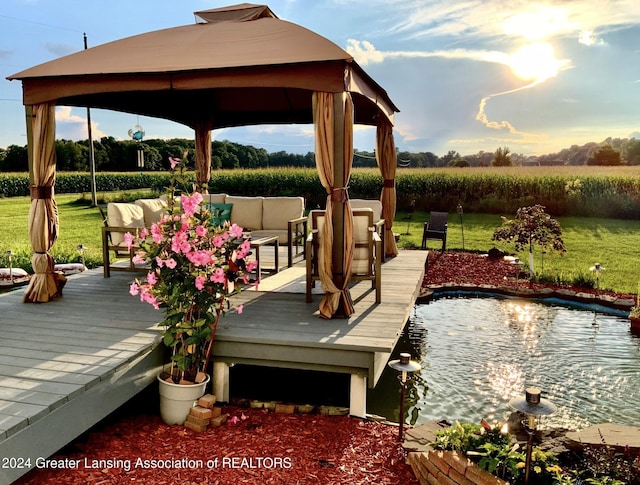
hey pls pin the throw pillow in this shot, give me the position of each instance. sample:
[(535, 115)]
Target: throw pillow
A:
[(221, 213)]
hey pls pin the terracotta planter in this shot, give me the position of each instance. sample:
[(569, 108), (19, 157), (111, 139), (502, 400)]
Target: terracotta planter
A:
[(635, 325), (177, 399)]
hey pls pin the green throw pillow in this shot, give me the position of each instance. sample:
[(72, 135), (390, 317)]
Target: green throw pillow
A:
[(221, 213)]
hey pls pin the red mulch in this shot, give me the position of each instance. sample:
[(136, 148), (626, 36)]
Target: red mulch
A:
[(276, 448), (471, 268), (261, 448)]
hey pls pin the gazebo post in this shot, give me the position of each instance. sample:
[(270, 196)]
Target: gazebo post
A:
[(203, 155)]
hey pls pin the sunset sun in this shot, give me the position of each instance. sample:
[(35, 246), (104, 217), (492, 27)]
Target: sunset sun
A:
[(536, 62)]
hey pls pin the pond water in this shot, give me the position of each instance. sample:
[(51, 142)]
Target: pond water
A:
[(478, 353)]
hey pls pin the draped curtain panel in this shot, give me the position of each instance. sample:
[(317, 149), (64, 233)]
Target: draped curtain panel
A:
[(43, 213), (386, 158), (324, 117)]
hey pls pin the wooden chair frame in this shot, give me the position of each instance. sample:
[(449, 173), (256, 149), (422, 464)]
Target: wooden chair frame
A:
[(373, 245)]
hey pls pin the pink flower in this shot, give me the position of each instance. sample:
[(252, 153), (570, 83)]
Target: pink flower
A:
[(235, 230), (199, 258), (151, 278), (139, 258), (201, 231), (171, 263), (159, 262), (156, 233), (234, 420), (190, 203), (251, 265), (174, 162), (200, 281), (144, 233), (239, 309), (218, 241), (244, 249), (218, 276), (134, 289), (128, 239)]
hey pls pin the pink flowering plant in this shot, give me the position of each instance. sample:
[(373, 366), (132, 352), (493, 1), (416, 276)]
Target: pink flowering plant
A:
[(195, 266)]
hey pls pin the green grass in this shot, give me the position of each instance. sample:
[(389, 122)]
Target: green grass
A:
[(613, 243)]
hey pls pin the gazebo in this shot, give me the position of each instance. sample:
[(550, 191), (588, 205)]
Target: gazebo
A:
[(237, 65)]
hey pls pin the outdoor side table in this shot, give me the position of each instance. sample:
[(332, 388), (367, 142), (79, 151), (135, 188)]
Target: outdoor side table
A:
[(257, 243)]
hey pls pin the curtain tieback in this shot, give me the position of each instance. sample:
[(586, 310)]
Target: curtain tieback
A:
[(340, 194), (41, 192), (389, 183)]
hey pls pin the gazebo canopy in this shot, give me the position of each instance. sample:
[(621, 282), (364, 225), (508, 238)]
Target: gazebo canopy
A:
[(238, 65)]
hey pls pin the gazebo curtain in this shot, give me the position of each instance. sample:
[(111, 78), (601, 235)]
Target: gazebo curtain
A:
[(387, 160), (325, 118), (43, 213)]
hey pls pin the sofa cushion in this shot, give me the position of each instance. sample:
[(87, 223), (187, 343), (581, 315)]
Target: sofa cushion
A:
[(153, 210), (123, 214), (214, 198), (278, 211), (373, 204), (220, 213), (246, 212)]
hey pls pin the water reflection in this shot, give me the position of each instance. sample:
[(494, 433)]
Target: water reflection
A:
[(477, 354)]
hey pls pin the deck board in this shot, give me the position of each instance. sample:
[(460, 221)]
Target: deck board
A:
[(66, 364)]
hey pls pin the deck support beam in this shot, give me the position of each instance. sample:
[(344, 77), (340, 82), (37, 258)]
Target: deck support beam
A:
[(358, 395), (221, 381)]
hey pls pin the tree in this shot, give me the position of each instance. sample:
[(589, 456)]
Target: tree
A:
[(605, 155), (502, 158), (531, 226), (16, 159)]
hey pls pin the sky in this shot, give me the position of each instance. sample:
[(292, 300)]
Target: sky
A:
[(467, 75)]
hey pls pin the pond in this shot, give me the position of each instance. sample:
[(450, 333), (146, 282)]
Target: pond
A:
[(478, 353)]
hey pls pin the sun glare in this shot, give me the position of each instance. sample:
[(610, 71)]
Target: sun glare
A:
[(535, 62)]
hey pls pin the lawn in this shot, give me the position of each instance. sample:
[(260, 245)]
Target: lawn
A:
[(611, 242)]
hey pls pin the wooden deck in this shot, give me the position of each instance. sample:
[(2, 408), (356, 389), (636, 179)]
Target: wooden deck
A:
[(67, 364)]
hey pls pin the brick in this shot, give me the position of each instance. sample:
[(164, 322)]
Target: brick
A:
[(219, 421), (424, 459), (199, 421), (207, 401), (458, 462), (437, 458), (432, 480), (482, 477), (456, 476), (285, 408), (445, 480), (215, 412), (194, 427), (200, 412)]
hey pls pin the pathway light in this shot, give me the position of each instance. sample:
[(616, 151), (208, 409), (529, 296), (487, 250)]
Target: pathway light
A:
[(10, 258), (597, 269), (81, 249), (404, 366), (532, 405)]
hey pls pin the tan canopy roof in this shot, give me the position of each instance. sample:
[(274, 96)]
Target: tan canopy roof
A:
[(241, 65)]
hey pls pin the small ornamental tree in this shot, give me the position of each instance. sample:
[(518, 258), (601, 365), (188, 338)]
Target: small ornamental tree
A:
[(531, 227)]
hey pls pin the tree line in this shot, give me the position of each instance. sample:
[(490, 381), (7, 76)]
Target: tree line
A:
[(113, 155)]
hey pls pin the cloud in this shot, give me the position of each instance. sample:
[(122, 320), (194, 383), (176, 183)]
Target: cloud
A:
[(588, 38), (364, 52), (74, 127), (60, 49), (4, 54)]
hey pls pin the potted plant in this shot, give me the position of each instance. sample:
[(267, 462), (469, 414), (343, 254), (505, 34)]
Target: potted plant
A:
[(195, 265)]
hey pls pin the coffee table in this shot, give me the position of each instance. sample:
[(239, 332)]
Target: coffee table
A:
[(257, 243)]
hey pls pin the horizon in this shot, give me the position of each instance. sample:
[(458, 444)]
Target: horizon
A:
[(536, 77)]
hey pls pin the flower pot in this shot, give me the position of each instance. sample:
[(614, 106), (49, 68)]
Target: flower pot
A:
[(635, 325), (177, 399)]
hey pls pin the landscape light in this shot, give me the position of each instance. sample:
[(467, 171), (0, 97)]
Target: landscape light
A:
[(404, 366), (532, 405)]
